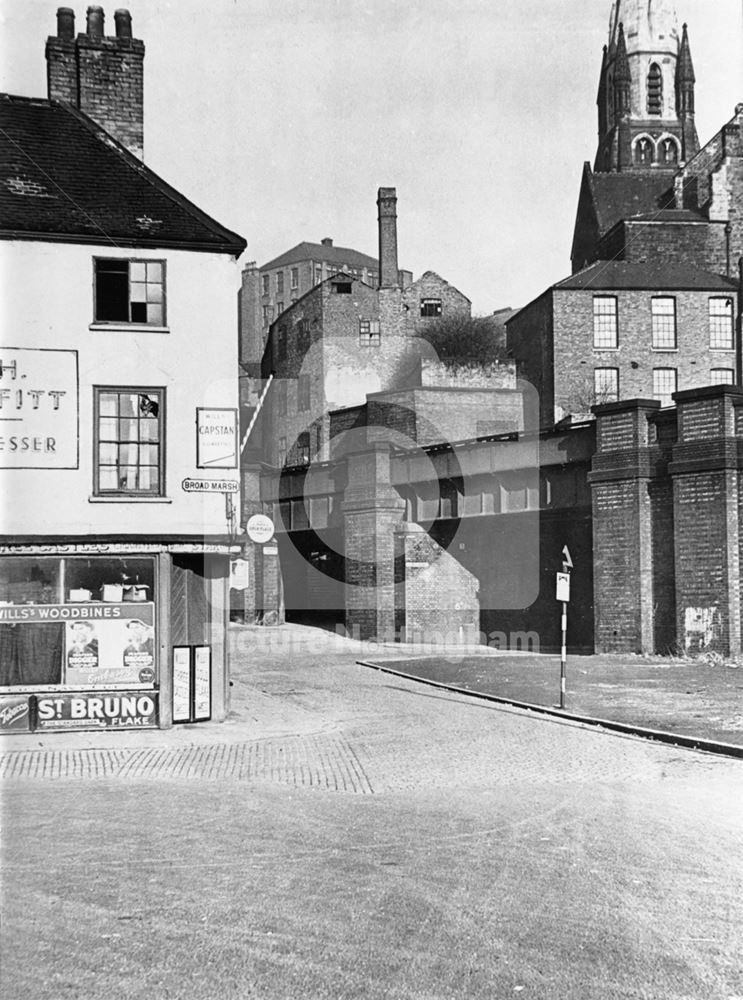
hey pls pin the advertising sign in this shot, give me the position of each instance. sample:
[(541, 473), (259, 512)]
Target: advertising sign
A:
[(114, 710), (216, 438), (202, 684), (113, 648), (181, 684), (15, 714), (260, 528), (38, 409)]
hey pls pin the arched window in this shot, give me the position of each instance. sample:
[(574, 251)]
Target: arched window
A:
[(669, 150), (655, 90), (644, 150)]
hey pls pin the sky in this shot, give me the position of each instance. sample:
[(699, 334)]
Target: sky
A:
[(281, 118)]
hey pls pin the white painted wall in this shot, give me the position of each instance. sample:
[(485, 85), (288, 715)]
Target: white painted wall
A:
[(47, 302)]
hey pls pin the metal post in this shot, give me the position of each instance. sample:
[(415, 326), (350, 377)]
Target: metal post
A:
[(563, 652)]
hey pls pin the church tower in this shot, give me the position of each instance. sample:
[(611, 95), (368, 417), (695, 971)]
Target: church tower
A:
[(646, 91)]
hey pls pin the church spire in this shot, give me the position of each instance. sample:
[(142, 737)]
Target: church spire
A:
[(646, 94), (622, 77), (685, 78)]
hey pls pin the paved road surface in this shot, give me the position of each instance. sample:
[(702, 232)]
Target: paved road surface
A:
[(350, 834)]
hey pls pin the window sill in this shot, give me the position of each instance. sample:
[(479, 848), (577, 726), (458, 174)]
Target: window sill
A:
[(127, 328), (605, 350), (664, 350), (122, 498)]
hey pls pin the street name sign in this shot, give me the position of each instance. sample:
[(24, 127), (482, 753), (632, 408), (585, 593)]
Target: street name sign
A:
[(210, 485)]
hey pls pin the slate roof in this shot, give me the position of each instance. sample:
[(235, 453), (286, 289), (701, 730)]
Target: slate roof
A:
[(318, 251), (64, 179), (614, 275), (623, 195)]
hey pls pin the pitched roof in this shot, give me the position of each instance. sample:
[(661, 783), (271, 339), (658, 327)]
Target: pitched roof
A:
[(610, 275), (326, 252), (622, 195), (63, 178)]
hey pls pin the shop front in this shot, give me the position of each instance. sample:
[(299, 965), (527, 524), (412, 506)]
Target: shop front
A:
[(111, 637)]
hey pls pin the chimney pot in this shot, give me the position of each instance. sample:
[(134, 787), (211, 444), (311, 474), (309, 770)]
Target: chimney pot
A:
[(123, 21), (327, 242), (66, 23), (95, 22)]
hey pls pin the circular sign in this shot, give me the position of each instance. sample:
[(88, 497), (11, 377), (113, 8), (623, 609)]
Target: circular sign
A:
[(260, 528), (146, 675)]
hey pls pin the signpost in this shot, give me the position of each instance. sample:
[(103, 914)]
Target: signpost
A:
[(210, 486), (562, 593)]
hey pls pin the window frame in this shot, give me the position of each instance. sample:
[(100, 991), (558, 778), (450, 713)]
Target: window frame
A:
[(431, 308), (161, 324), (714, 333), (614, 392), (119, 493), (657, 323), (659, 395), (719, 371), (294, 278), (370, 334), (598, 334)]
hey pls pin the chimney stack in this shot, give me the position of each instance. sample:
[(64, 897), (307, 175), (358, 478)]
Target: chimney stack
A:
[(95, 22), (66, 24), (100, 76), (387, 216)]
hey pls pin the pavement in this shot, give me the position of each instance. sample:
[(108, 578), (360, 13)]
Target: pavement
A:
[(305, 711)]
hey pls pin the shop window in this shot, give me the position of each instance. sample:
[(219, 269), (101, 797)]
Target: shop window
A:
[(129, 291), (655, 90), (431, 307), (721, 324), (369, 335), (663, 309), (665, 383), (605, 334), (129, 438), (77, 622)]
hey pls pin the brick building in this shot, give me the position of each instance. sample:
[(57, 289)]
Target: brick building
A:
[(351, 362), (653, 304), (114, 577), (268, 290), (618, 330)]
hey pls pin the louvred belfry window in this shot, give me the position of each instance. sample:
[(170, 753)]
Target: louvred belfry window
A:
[(655, 90)]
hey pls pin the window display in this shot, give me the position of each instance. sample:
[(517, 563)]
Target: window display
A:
[(76, 621)]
